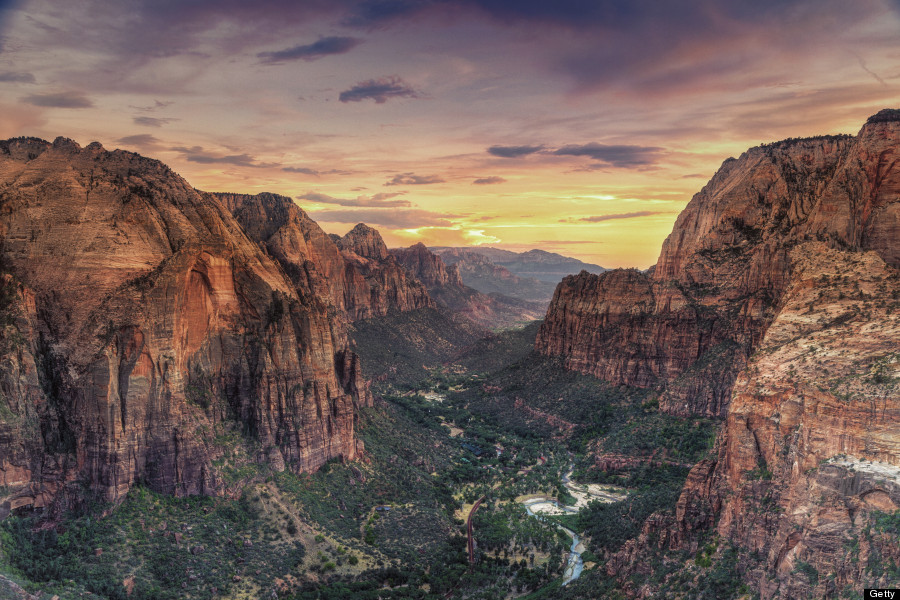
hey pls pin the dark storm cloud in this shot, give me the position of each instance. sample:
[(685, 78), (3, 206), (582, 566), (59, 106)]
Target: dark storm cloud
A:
[(324, 47), (413, 179), (392, 219), (196, 154), (488, 180), (15, 77), (375, 201), (152, 121), (614, 155), (628, 215), (380, 90), (513, 151), (61, 100)]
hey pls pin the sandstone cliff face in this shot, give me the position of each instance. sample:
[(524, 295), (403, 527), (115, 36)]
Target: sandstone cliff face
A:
[(144, 322), (688, 324), (809, 455), (356, 272), (446, 287), (390, 286)]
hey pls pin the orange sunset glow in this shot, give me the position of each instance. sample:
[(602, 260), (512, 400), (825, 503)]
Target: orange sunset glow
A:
[(577, 127)]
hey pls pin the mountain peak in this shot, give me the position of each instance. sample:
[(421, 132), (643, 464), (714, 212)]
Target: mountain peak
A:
[(365, 241)]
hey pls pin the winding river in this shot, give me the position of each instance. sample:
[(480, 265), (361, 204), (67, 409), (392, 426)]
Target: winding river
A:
[(537, 506)]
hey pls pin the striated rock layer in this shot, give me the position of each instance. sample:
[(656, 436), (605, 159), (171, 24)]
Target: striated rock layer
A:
[(140, 322), (688, 324), (807, 465)]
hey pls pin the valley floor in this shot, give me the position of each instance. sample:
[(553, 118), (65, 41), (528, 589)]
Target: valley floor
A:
[(522, 435)]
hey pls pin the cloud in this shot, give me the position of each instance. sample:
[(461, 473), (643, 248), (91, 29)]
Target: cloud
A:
[(16, 77), (566, 242), (374, 13), (392, 219), (152, 121), (60, 100), (413, 179), (141, 140), (152, 107), (324, 47), (628, 215), (488, 180), (383, 200), (315, 172), (196, 154), (615, 155), (513, 151), (380, 90)]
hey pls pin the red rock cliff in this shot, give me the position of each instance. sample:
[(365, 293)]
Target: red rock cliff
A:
[(688, 325), (140, 321), (357, 273)]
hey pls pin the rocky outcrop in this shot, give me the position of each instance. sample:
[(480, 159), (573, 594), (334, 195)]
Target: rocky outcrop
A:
[(688, 325), (445, 286), (356, 272), (140, 323), (807, 467), (428, 267)]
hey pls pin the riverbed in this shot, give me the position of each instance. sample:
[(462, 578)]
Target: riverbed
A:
[(539, 505)]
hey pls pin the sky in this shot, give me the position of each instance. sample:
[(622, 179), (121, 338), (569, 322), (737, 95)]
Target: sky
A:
[(577, 126)]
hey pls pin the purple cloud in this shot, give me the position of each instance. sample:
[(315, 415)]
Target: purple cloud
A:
[(380, 90), (488, 180), (326, 46), (413, 179), (513, 151), (614, 155), (60, 100)]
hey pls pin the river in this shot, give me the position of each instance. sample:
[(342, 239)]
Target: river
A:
[(536, 506)]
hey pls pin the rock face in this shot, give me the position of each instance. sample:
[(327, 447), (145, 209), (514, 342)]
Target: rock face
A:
[(446, 287), (689, 324), (356, 272), (804, 481), (809, 455), (140, 321)]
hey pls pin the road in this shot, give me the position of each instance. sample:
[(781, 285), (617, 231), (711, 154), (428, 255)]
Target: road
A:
[(475, 508)]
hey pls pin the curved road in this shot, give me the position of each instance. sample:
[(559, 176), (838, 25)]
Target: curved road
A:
[(472, 512)]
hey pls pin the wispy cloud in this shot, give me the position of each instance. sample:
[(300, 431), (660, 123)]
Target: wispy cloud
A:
[(513, 151), (615, 216), (392, 219), (488, 180), (413, 179), (326, 46), (613, 155), (141, 140), (197, 154), (315, 172), (383, 200), (380, 90), (152, 121), (60, 100), (16, 77)]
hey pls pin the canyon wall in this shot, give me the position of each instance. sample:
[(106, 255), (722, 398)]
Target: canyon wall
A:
[(687, 325), (141, 324), (355, 272)]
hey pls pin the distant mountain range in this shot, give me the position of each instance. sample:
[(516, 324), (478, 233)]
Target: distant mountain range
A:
[(531, 275)]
